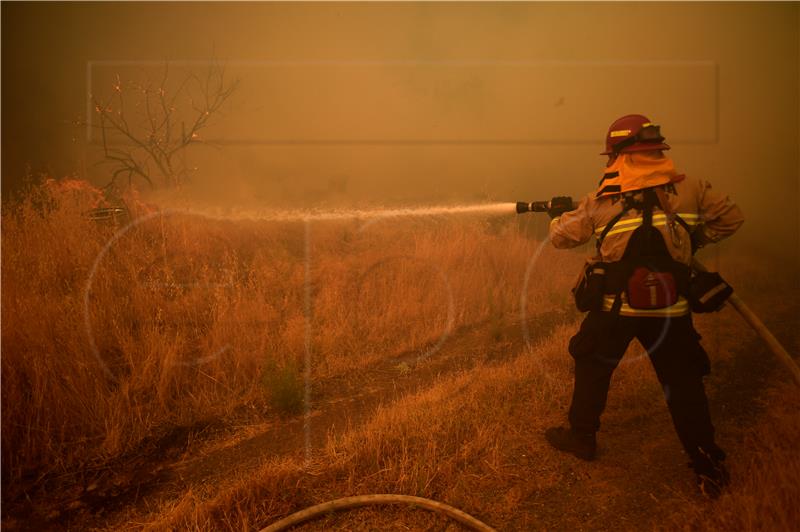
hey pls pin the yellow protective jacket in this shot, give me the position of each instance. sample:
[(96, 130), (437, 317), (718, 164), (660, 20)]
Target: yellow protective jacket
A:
[(710, 215)]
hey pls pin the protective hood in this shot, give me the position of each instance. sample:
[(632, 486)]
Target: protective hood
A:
[(632, 171)]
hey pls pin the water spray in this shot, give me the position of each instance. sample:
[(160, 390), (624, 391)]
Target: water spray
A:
[(298, 215)]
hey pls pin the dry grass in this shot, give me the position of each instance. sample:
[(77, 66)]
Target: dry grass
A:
[(474, 440), (436, 443), (188, 313), (197, 319)]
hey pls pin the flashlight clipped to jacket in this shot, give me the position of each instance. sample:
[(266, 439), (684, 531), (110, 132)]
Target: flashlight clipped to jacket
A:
[(554, 208)]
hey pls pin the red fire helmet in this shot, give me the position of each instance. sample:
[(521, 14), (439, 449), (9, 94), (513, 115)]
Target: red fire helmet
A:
[(633, 133)]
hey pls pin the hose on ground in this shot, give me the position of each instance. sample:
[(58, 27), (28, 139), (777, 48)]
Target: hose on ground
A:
[(347, 503)]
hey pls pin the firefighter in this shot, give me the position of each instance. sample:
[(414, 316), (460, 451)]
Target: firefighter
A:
[(648, 220)]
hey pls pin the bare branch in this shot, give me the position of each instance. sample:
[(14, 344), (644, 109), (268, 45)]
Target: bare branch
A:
[(152, 135)]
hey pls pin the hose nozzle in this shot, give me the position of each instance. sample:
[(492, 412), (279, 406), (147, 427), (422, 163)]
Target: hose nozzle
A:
[(523, 206), (536, 206)]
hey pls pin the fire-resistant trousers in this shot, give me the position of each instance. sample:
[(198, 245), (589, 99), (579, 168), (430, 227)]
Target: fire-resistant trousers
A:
[(680, 363)]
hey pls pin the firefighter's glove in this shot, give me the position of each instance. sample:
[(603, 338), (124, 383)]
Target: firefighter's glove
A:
[(559, 205)]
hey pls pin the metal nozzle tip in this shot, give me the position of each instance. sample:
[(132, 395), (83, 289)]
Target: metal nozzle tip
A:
[(523, 207)]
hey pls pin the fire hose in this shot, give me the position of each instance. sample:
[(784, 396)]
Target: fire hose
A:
[(735, 301), (347, 503)]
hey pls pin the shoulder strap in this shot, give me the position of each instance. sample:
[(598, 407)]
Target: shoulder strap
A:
[(611, 224), (665, 206), (683, 223)]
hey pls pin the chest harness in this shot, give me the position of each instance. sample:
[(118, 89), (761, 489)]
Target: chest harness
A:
[(647, 275)]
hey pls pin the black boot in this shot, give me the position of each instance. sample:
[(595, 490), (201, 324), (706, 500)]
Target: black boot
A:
[(582, 445), (712, 475)]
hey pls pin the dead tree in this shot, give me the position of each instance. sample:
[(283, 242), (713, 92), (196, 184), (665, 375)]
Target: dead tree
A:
[(153, 124)]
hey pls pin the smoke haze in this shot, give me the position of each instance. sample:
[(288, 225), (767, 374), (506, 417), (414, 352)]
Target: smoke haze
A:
[(396, 103)]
